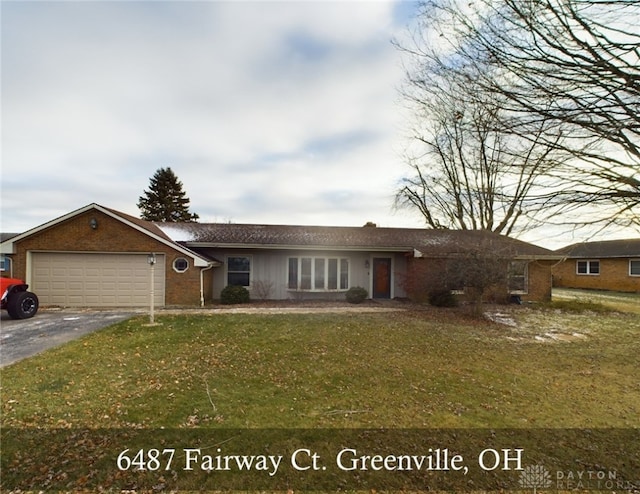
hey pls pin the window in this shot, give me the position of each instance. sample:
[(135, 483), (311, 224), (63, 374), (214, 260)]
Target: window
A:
[(180, 265), (318, 273), (239, 271), (634, 267), (518, 277), (5, 264), (588, 267)]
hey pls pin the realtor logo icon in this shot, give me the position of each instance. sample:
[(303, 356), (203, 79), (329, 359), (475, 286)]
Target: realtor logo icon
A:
[(535, 477)]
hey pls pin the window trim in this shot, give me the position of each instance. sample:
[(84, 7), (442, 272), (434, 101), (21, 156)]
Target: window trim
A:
[(226, 268), (630, 262), (525, 276), (175, 268), (342, 278), (589, 271), (5, 264)]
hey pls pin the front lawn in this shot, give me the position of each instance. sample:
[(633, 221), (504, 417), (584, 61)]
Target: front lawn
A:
[(413, 369), (622, 301), (73, 416)]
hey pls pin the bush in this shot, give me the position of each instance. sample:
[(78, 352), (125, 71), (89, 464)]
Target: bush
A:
[(356, 294), (443, 298), (234, 294)]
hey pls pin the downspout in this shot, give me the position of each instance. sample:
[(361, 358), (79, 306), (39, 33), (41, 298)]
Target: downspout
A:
[(211, 265)]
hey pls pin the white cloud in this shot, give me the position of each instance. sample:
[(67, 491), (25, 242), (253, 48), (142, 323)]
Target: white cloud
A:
[(273, 112), (97, 95)]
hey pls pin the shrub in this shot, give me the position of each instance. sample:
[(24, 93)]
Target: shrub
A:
[(356, 294), (234, 294), (443, 298), (262, 289)]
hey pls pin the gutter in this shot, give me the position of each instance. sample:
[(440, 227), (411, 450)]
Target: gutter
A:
[(210, 266), (243, 246)]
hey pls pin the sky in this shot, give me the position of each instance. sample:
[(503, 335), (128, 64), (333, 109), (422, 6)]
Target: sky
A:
[(268, 112)]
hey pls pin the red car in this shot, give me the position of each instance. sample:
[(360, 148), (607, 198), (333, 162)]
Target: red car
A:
[(19, 302)]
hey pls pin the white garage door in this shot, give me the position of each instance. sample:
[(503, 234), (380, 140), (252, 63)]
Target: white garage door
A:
[(96, 280)]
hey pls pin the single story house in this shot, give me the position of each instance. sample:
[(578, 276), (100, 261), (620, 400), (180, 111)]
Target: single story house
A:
[(606, 265), (98, 257)]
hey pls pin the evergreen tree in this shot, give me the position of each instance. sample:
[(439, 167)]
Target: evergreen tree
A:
[(165, 200)]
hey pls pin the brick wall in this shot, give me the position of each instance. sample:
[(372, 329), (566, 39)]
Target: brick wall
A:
[(424, 274), (614, 275), (539, 276), (111, 235)]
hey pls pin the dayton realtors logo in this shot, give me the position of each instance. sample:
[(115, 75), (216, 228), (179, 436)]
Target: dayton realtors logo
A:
[(538, 477), (535, 477)]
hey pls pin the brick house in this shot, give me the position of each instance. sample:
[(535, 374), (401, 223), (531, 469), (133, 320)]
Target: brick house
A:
[(96, 256), (607, 265)]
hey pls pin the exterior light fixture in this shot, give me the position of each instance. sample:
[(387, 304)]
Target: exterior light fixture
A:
[(366, 264), (93, 223), (151, 258)]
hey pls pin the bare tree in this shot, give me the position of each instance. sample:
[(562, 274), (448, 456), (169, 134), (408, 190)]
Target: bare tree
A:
[(475, 167), (485, 269), (564, 77)]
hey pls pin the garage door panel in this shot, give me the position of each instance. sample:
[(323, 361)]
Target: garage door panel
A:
[(96, 280)]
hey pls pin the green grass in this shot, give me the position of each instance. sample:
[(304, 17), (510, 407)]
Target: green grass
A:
[(414, 369), (204, 380), (598, 300)]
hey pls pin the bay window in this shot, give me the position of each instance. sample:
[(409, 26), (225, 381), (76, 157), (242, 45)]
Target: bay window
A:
[(318, 273)]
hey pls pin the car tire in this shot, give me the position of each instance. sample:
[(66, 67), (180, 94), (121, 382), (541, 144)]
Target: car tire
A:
[(22, 305)]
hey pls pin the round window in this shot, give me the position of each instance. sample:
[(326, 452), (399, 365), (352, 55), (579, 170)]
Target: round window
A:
[(180, 264)]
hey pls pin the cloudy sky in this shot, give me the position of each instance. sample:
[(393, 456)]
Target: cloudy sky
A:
[(268, 112)]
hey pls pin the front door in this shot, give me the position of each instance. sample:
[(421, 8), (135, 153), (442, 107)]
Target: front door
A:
[(381, 277)]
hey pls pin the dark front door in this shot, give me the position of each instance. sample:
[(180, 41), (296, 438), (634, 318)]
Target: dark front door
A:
[(381, 277)]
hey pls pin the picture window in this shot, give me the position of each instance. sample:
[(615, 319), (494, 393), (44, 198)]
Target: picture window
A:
[(318, 273)]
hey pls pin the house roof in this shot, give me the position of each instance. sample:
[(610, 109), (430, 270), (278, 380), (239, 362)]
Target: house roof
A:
[(424, 241), (147, 227), (191, 238), (608, 248), (6, 236)]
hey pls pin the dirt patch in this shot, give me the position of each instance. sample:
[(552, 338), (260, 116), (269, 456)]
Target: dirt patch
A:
[(527, 325), (552, 337)]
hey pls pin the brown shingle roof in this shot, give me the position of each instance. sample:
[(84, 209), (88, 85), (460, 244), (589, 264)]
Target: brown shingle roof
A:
[(430, 242), (150, 226), (608, 248)]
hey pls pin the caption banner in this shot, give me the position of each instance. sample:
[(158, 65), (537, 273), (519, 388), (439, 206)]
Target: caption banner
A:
[(320, 459)]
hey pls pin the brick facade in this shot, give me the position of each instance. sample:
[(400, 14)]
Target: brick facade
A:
[(424, 274), (614, 275), (111, 235), (115, 232), (539, 278)]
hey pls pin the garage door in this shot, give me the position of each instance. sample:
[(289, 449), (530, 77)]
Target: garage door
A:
[(96, 280)]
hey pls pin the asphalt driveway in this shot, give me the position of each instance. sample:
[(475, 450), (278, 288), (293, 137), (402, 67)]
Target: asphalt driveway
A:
[(20, 339)]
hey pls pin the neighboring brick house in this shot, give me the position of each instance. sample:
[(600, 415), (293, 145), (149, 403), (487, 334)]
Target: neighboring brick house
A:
[(607, 265), (97, 256)]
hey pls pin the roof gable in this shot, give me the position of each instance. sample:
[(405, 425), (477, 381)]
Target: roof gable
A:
[(146, 227)]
